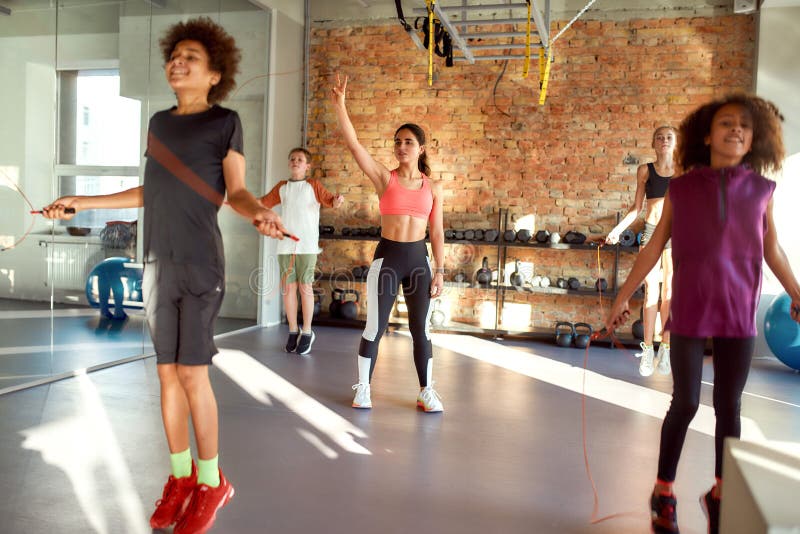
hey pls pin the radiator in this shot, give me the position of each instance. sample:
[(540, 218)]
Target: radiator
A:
[(69, 263)]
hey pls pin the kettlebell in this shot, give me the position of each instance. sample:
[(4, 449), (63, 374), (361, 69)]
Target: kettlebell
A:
[(484, 275), (601, 284), (637, 329), (564, 334), (437, 315), (524, 235), (583, 337), (336, 301), (516, 277), (348, 309), (318, 296)]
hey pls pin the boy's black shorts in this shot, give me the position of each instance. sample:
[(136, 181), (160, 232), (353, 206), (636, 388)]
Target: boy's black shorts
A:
[(182, 301)]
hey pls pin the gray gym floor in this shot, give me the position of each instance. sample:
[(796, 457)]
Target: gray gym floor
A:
[(88, 454)]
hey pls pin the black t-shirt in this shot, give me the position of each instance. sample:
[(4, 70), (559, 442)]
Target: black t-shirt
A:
[(184, 186)]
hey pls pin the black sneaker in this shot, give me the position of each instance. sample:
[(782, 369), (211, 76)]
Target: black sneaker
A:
[(663, 514), (291, 343), (710, 507), (304, 343)]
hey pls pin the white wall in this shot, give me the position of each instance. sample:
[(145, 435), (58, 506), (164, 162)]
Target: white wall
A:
[(778, 80)]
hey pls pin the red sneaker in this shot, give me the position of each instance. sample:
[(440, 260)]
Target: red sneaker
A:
[(202, 510), (174, 500)]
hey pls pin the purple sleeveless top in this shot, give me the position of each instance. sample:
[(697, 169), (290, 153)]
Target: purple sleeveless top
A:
[(718, 226)]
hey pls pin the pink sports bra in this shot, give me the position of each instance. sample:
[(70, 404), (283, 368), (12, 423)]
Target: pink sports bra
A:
[(397, 200)]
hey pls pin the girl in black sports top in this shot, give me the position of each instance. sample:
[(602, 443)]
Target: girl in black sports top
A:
[(652, 180)]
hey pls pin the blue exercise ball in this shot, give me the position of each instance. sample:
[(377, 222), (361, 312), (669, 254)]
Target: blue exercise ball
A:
[(782, 332)]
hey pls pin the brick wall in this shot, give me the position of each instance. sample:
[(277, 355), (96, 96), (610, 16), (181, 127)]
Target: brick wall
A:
[(565, 165)]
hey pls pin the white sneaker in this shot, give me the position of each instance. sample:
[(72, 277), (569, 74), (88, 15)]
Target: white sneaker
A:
[(362, 400), (647, 355), (429, 400), (664, 367)]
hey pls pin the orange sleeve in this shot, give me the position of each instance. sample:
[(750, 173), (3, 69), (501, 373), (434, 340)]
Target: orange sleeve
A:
[(273, 198), (324, 197)]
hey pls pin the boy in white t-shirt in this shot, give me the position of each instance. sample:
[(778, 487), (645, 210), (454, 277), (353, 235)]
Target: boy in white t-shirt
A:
[(301, 200)]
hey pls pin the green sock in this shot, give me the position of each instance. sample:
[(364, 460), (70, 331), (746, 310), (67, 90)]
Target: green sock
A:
[(208, 472), (181, 463)]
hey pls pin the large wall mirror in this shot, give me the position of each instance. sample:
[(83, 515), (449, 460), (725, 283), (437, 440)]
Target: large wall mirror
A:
[(81, 80)]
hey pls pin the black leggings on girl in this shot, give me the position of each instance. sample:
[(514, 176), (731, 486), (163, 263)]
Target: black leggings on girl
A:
[(731, 358), (398, 263)]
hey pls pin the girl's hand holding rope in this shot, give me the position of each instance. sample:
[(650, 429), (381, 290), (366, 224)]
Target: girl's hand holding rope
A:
[(618, 315)]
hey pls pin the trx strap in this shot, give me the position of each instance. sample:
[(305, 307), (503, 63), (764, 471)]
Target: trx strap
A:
[(430, 38), (545, 77), (400, 16), (527, 62)]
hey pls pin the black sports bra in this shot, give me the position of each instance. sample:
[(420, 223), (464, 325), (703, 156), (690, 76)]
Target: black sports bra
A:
[(656, 185)]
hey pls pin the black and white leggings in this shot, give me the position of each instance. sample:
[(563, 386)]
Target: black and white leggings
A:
[(731, 359), (397, 263)]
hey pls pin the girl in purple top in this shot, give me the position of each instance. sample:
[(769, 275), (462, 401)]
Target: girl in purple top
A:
[(719, 216)]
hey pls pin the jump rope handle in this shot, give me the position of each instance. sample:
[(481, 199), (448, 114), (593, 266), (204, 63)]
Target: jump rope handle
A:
[(66, 210), (290, 236)]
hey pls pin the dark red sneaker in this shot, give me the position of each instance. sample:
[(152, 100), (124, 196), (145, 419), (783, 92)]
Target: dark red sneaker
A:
[(663, 514), (202, 510), (174, 500), (710, 507)]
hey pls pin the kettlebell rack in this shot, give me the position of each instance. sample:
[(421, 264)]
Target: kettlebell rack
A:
[(499, 248)]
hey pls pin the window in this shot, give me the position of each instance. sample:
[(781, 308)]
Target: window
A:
[(99, 142)]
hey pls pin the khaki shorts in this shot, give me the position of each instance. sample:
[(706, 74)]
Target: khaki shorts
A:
[(297, 268)]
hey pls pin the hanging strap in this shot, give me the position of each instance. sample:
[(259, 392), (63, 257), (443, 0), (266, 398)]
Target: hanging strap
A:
[(431, 39), (527, 62), (399, 5)]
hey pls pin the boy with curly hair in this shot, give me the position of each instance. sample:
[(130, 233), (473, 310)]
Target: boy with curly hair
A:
[(195, 158)]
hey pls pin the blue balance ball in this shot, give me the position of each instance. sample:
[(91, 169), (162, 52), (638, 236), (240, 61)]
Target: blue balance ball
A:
[(782, 332)]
